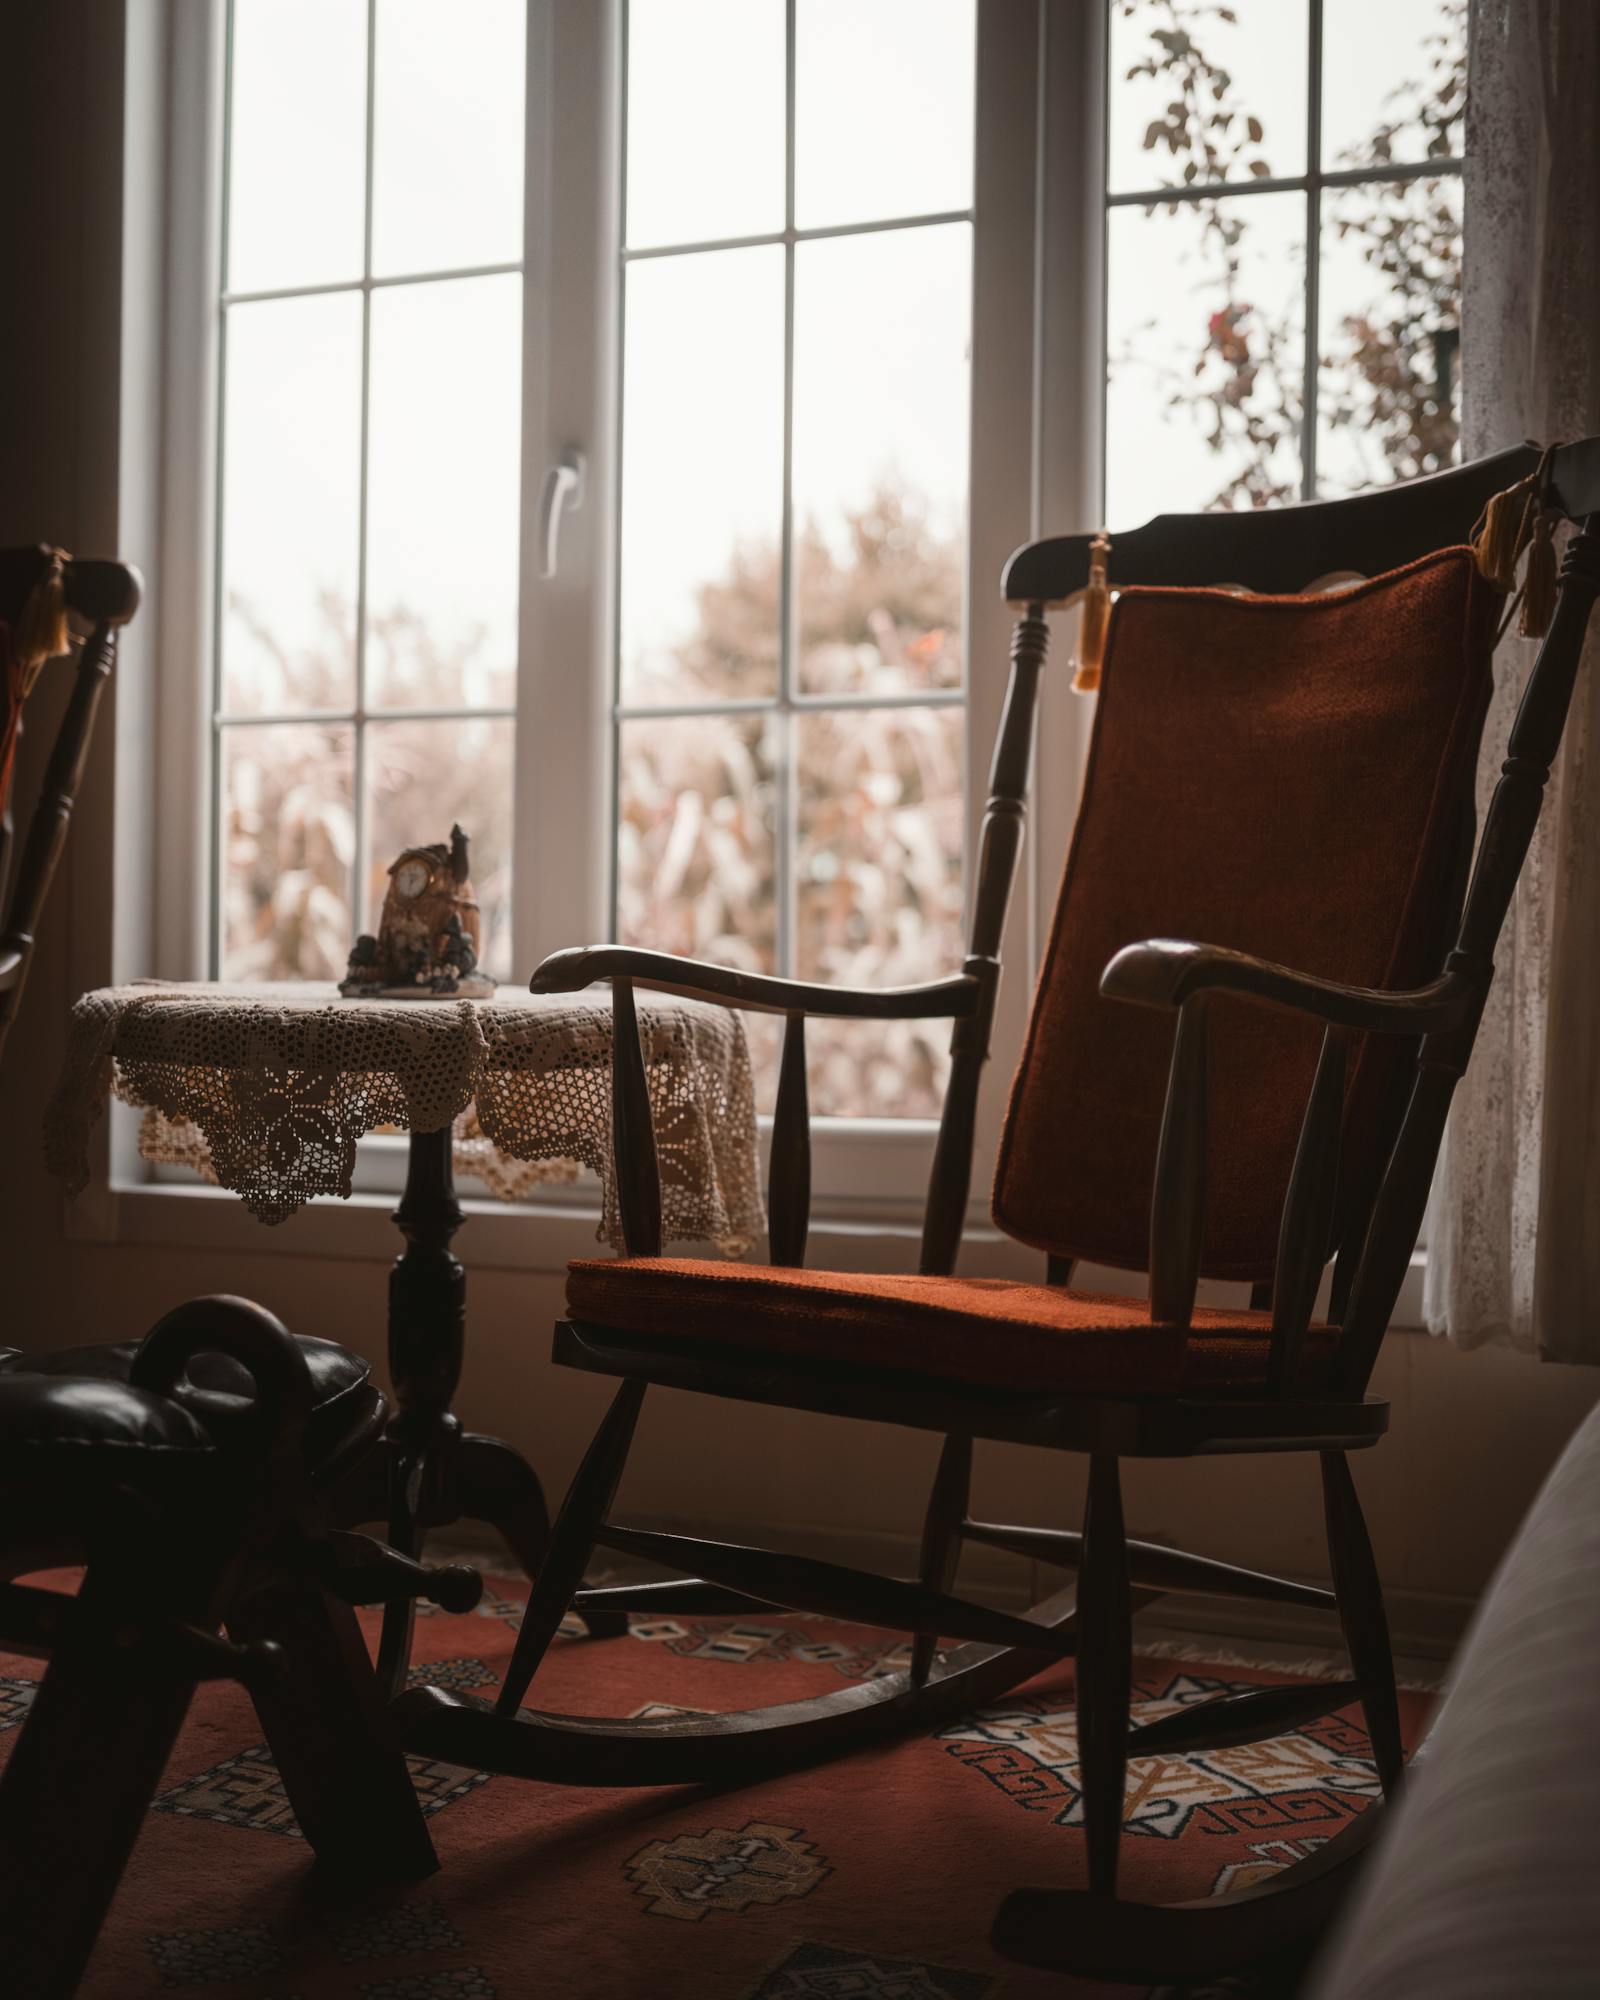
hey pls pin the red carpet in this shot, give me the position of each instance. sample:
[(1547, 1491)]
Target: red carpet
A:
[(875, 1878)]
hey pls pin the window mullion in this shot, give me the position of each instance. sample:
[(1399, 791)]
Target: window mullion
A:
[(213, 927), (786, 828), (1313, 286), (359, 747)]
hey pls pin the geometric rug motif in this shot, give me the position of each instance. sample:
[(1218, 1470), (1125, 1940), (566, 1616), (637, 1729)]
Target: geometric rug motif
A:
[(508, 1610), (466, 1982), (203, 1958), (16, 1698), (833, 1972), (1028, 1749), (234, 1956), (245, 1789), (403, 1928), (743, 1642), (725, 1870), (1267, 1858)]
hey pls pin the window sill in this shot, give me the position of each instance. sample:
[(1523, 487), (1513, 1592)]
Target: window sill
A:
[(544, 1236)]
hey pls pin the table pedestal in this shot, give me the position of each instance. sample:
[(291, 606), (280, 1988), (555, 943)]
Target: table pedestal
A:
[(430, 1473)]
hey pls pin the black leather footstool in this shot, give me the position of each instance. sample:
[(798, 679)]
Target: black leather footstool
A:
[(184, 1473)]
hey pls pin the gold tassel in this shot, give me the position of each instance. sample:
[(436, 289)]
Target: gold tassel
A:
[(1095, 621), (1539, 579), (1503, 531), (42, 631)]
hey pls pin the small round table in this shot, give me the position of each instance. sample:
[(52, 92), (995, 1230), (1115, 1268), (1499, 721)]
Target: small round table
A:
[(267, 1090)]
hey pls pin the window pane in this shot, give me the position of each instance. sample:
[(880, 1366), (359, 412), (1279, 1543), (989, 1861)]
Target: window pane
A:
[(696, 866), (706, 88), (1410, 103), (1205, 355), (423, 777), (878, 892), (291, 503), (1388, 401), (288, 847), (297, 143), (447, 135), (1206, 93), (702, 476), (883, 109), (443, 484), (881, 388)]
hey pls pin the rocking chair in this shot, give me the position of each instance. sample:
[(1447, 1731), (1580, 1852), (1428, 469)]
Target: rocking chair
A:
[(103, 596), (1290, 776)]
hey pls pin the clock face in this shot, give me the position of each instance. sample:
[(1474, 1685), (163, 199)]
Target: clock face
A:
[(411, 879)]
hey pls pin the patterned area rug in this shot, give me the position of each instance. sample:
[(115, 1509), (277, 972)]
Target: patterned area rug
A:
[(875, 1878)]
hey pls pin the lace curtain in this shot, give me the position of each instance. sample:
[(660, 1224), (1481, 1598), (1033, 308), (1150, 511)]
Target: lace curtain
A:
[(1514, 1232)]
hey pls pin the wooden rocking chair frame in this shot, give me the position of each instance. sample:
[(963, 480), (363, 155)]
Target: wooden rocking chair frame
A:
[(1091, 1931), (104, 596)]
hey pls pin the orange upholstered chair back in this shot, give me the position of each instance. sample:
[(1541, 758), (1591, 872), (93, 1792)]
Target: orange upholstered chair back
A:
[(1289, 776)]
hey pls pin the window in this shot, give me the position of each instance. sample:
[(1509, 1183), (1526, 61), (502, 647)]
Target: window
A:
[(818, 292), (789, 718), (1240, 371), (370, 459), (790, 485)]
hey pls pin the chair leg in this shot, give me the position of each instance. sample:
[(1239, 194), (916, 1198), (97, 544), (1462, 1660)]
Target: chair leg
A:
[(572, 1542), (323, 1718), (79, 1782), (941, 1537), (1104, 1672), (1362, 1616)]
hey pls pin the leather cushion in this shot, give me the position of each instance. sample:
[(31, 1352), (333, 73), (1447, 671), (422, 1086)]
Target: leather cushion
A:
[(1287, 776), (996, 1332), (46, 1411), (340, 1381)]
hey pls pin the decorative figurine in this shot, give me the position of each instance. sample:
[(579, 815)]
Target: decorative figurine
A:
[(428, 934)]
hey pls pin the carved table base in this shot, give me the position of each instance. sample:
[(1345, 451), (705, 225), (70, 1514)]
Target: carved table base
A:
[(430, 1473)]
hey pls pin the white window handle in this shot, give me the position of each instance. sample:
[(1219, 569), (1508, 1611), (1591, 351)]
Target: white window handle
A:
[(563, 488)]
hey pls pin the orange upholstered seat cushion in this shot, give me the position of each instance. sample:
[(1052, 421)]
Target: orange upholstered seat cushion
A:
[(992, 1331), (1288, 776)]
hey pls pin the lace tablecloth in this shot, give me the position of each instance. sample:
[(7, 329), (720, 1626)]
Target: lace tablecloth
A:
[(267, 1089)]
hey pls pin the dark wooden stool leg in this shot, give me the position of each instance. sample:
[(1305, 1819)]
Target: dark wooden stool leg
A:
[(323, 1717), (1362, 1616), (584, 1510), (78, 1784), (1104, 1672), (941, 1537)]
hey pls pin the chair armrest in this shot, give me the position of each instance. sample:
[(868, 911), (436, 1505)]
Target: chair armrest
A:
[(1165, 972), (581, 965)]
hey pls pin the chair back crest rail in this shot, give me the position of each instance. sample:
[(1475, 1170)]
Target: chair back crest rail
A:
[(104, 596), (1381, 1195)]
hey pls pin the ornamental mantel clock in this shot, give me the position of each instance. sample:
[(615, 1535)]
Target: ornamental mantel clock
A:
[(428, 935)]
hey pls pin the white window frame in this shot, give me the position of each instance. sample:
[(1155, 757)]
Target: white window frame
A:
[(1033, 458), (1039, 259)]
